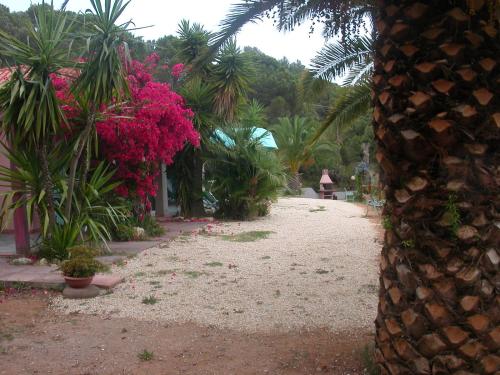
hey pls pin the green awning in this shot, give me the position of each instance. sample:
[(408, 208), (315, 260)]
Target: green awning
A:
[(266, 138)]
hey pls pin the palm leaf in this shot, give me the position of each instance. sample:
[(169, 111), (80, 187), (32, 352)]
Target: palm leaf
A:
[(355, 102)]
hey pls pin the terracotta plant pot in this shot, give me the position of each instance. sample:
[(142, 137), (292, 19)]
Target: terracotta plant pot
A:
[(78, 282)]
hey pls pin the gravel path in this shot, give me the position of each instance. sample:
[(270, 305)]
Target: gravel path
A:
[(317, 268)]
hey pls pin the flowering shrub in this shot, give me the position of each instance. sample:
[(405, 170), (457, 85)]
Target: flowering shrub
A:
[(138, 136)]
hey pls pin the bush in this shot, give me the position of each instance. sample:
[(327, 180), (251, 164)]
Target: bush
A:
[(124, 232), (151, 226), (247, 177)]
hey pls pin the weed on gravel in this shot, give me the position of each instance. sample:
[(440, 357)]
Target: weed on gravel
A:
[(319, 209), (151, 300), (251, 236), (213, 264)]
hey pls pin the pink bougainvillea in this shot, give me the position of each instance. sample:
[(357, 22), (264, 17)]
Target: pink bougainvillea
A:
[(148, 130)]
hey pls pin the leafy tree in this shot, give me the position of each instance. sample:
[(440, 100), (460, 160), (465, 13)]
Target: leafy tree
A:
[(435, 79)]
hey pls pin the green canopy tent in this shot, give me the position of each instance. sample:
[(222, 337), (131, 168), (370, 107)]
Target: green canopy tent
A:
[(265, 136)]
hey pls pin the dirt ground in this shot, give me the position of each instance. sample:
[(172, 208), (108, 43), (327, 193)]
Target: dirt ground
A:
[(36, 340)]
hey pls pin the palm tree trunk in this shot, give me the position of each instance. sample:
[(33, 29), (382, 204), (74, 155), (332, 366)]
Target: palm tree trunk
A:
[(437, 121), (197, 207)]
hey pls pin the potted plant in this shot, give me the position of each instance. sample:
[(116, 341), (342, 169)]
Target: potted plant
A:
[(80, 268)]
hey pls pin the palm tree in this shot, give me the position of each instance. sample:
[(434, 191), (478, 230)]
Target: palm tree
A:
[(214, 89), (293, 138), (436, 122)]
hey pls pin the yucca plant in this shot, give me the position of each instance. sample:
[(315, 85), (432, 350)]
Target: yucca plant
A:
[(25, 186), (97, 209), (246, 175), (31, 112), (230, 77), (102, 78)]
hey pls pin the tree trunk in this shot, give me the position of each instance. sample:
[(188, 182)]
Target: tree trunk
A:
[(197, 207), (294, 183), (48, 186), (437, 121), (75, 161)]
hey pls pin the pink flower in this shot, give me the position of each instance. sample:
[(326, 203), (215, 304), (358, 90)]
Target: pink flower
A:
[(177, 70)]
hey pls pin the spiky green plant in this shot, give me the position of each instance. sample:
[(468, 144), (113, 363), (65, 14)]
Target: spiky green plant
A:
[(102, 78), (31, 111)]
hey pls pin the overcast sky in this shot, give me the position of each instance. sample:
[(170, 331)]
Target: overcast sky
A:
[(164, 15)]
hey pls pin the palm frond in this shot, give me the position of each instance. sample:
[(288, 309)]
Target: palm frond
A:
[(239, 15), (337, 58), (354, 103)]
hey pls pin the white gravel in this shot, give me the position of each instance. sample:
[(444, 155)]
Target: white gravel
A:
[(317, 269)]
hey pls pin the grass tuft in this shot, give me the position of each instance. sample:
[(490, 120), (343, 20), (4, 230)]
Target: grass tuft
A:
[(151, 300), (214, 264), (319, 209), (145, 355), (248, 236)]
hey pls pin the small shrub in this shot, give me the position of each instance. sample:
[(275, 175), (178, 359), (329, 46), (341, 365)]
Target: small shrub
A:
[(81, 262), (80, 267), (150, 226), (145, 355), (124, 232)]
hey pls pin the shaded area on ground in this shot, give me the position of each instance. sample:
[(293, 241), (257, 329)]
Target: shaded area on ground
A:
[(34, 340)]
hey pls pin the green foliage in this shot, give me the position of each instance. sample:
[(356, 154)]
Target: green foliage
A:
[(80, 267), (453, 213), (27, 180), (248, 236), (368, 360), (151, 300), (246, 175), (97, 209), (386, 223), (149, 224), (408, 243), (62, 238), (124, 232), (145, 355), (81, 262), (294, 147), (28, 100)]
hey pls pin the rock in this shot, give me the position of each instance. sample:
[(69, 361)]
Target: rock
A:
[(21, 261), (89, 292), (138, 233), (43, 262)]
